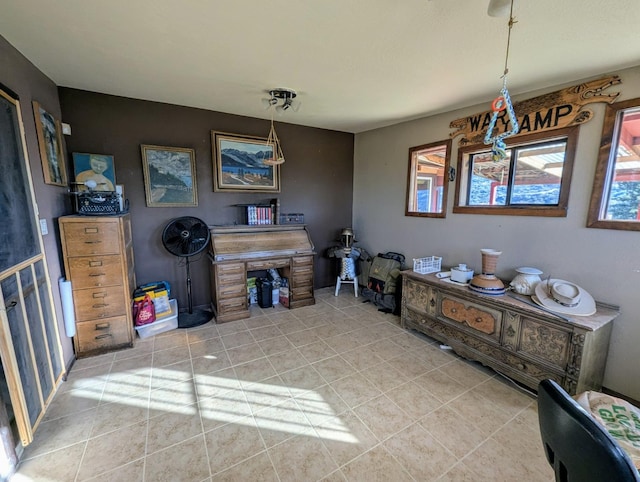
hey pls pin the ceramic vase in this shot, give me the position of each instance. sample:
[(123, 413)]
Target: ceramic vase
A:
[(487, 282)]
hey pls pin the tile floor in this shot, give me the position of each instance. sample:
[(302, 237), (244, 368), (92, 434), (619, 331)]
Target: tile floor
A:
[(336, 391)]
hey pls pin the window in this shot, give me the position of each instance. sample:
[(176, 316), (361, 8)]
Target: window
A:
[(428, 180), (615, 198), (533, 180)]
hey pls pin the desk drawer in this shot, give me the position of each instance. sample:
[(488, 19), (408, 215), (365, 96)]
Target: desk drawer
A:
[(107, 333), (267, 264), (224, 269), (232, 291), (230, 305), (93, 272), (302, 260), (99, 303)]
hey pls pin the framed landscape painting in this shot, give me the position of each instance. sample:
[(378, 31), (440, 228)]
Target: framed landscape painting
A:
[(238, 164), (169, 176), (50, 144)]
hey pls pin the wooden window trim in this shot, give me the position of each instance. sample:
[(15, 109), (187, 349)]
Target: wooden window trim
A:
[(571, 135), (608, 145)]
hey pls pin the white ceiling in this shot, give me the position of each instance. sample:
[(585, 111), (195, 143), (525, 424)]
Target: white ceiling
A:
[(356, 64)]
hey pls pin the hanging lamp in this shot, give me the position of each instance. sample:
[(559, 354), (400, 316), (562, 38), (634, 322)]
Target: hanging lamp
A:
[(274, 143), (500, 104)]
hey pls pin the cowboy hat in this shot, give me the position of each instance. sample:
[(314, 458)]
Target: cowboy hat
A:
[(564, 297)]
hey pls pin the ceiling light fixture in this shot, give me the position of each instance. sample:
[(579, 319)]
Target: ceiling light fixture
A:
[(282, 99), (502, 108)]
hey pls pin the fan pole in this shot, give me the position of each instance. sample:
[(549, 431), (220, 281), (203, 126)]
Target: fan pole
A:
[(189, 287)]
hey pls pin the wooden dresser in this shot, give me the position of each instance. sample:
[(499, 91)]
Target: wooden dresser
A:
[(236, 250), (98, 260), (512, 337)]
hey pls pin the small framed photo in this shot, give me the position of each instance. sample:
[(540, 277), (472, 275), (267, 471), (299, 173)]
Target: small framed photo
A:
[(94, 172), (49, 133), (238, 164), (169, 176)]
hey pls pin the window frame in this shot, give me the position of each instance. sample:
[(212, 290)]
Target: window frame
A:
[(559, 210), (606, 159), (412, 178)]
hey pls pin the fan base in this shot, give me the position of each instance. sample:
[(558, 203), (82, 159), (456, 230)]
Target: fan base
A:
[(197, 318)]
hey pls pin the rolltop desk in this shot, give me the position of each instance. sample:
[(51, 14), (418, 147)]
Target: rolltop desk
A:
[(237, 250)]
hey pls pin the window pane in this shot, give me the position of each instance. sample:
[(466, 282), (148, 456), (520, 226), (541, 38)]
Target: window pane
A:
[(539, 174), (489, 179), (624, 192)]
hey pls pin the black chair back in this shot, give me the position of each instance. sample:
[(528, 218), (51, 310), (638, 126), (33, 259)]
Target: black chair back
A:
[(578, 448)]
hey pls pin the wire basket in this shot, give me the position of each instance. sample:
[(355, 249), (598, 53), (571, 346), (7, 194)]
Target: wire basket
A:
[(430, 264)]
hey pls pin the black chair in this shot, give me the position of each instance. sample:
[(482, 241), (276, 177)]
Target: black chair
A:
[(578, 448)]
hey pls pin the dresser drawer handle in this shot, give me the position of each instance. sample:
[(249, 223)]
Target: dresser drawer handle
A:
[(101, 294), (97, 274), (100, 305), (478, 320), (521, 366), (97, 241), (454, 310), (91, 230), (102, 326), (93, 264), (104, 335)]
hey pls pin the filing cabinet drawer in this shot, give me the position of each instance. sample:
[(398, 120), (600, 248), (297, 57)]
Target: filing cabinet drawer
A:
[(107, 333), (94, 272), (99, 303), (83, 239)]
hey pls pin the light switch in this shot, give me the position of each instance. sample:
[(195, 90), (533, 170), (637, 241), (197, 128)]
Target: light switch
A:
[(66, 129), (43, 227)]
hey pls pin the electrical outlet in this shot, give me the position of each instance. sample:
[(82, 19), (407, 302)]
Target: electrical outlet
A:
[(43, 227)]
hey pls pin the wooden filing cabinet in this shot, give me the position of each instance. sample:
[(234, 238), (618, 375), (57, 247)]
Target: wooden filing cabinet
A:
[(98, 260), (514, 338)]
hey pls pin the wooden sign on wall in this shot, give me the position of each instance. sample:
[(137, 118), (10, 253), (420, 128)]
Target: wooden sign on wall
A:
[(554, 110)]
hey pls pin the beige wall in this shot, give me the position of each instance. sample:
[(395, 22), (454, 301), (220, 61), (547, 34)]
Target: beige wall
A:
[(604, 262)]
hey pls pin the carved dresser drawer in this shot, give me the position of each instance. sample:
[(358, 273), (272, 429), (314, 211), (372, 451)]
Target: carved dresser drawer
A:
[(470, 316), (512, 337)]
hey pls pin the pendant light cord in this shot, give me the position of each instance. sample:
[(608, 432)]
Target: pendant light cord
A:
[(506, 59)]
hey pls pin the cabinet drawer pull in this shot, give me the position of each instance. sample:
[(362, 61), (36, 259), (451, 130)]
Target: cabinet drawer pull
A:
[(91, 230), (93, 264), (102, 326), (97, 241), (100, 305), (104, 335), (97, 274), (101, 294)]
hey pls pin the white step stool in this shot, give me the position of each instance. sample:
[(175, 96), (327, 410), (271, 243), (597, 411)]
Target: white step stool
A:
[(353, 281)]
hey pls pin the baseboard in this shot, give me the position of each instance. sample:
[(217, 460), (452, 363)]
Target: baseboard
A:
[(620, 395)]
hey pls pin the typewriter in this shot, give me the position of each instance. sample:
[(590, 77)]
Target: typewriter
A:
[(99, 203)]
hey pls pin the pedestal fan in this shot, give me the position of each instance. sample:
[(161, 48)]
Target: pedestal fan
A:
[(186, 237)]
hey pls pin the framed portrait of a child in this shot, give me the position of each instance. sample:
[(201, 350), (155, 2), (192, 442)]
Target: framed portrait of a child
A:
[(94, 172)]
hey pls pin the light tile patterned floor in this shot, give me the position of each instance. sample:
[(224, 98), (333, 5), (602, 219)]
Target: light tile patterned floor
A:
[(336, 391)]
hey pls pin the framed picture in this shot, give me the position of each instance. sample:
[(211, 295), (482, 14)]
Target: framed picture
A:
[(50, 143), (238, 164), (169, 176), (94, 172)]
